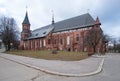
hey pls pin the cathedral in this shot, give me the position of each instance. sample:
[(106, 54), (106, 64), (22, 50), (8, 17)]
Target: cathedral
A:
[(67, 34)]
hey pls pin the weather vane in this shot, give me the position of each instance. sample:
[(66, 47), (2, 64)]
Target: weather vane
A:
[(52, 16), (88, 10), (27, 5), (52, 13)]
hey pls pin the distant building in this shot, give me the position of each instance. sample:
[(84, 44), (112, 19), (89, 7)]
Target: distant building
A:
[(63, 35)]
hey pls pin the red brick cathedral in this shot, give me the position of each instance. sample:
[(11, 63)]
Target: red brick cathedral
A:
[(67, 34)]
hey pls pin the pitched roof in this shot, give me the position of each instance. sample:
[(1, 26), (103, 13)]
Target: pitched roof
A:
[(84, 20), (42, 32), (26, 20), (75, 22)]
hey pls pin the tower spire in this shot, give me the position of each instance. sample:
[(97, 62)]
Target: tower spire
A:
[(26, 20), (52, 17), (26, 7), (88, 10)]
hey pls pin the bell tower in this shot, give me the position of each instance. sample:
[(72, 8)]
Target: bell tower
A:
[(25, 28)]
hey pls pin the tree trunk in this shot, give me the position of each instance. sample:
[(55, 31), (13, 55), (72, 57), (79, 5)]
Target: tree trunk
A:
[(8, 47), (94, 49)]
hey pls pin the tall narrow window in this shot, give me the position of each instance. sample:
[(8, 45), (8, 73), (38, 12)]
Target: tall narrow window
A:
[(55, 41), (44, 43), (68, 40), (61, 41), (24, 45), (77, 37), (35, 44), (48, 41), (40, 43), (31, 44)]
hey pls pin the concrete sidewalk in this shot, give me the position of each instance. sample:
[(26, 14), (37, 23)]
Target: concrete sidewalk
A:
[(89, 66)]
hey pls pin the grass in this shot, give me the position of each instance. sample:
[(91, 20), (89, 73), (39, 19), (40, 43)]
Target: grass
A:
[(45, 54)]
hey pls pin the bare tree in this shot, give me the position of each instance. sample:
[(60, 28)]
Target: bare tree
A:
[(115, 45), (104, 43), (93, 37), (10, 33)]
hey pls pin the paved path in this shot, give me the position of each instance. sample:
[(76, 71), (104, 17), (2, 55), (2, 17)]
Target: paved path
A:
[(111, 72), (11, 71), (64, 67)]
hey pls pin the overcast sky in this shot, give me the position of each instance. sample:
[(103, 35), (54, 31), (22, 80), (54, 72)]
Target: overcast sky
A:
[(39, 12)]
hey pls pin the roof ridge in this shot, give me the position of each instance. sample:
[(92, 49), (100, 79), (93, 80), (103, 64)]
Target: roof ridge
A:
[(72, 17), (42, 27), (87, 20), (62, 21)]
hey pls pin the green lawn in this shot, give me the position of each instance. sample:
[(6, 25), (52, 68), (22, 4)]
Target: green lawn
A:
[(61, 55)]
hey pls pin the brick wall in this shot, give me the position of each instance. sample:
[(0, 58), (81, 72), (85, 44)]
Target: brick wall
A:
[(59, 41)]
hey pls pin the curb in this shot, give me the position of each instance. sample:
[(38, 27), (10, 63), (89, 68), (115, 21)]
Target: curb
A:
[(97, 56), (58, 73)]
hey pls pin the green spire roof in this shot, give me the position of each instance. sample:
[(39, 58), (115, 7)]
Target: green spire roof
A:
[(26, 20)]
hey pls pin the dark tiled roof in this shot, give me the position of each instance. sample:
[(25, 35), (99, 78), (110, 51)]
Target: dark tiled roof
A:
[(84, 20), (41, 32), (26, 20), (75, 22)]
